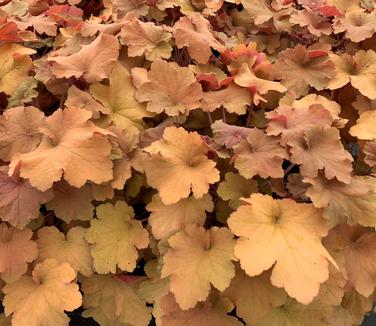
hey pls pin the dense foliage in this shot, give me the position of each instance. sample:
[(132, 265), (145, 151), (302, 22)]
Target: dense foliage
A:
[(199, 162)]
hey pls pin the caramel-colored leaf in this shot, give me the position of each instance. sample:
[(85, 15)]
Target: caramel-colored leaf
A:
[(196, 259), (233, 98), (356, 246), (252, 154), (170, 88), (71, 248), (321, 149), (42, 298), (291, 122), (79, 150), (112, 302), (147, 39), (258, 87), (195, 32), (165, 220), (80, 206), (365, 127), (299, 68), (19, 131), (354, 201), (203, 314), (254, 297), (359, 70), (16, 250), (179, 165), (291, 234), (93, 62)]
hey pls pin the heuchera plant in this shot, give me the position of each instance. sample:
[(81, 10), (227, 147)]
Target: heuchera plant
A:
[(195, 162)]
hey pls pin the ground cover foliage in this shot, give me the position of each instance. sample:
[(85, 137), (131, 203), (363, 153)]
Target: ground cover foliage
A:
[(199, 162)]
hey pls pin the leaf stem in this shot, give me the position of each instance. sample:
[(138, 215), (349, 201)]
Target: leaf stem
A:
[(298, 194), (250, 115), (224, 115), (210, 118), (289, 168)]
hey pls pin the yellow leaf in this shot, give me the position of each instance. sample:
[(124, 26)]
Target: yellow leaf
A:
[(70, 248), (196, 259), (293, 313), (365, 127), (15, 66), (235, 187), (118, 98), (115, 237), (24, 93)]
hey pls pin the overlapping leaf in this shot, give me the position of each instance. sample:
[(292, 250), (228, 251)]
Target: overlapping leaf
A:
[(170, 88), (43, 297), (198, 162), (290, 232), (115, 237), (80, 151), (17, 249), (179, 165), (198, 258), (93, 62)]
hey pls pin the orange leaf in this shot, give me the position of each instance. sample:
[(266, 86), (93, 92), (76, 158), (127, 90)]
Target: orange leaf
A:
[(194, 32), (179, 165), (79, 150), (93, 62), (16, 250), (43, 297), (196, 259), (290, 233)]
